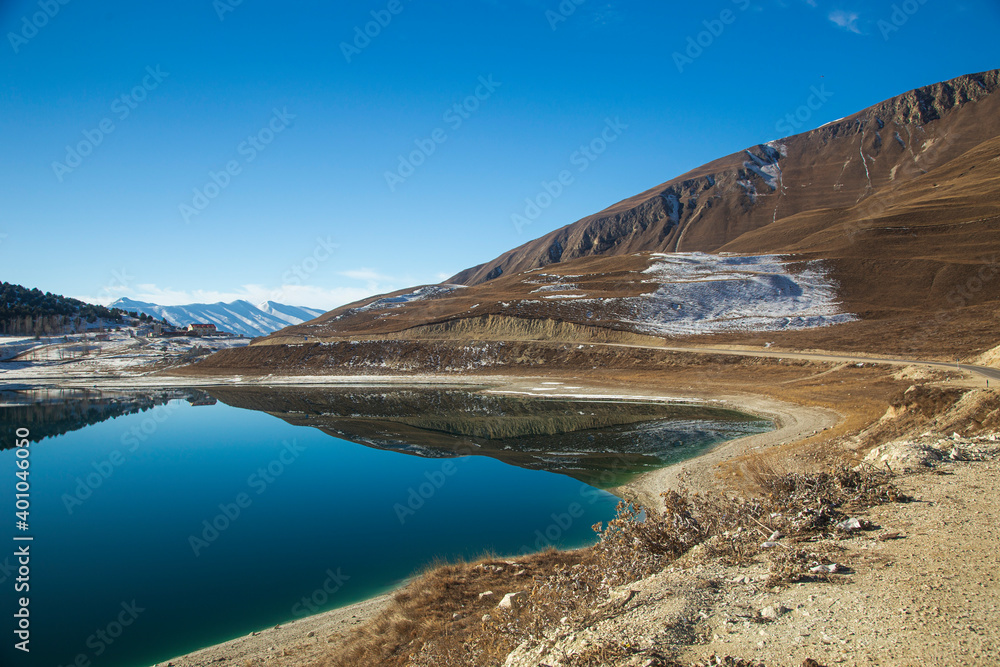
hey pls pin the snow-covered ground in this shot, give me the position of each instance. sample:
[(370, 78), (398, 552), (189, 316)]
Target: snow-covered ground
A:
[(557, 287), (115, 353), (11, 346), (698, 293), (419, 294), (289, 314)]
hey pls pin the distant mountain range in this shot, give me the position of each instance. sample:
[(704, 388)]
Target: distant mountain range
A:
[(239, 317)]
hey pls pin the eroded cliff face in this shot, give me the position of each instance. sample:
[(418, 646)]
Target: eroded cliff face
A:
[(837, 165)]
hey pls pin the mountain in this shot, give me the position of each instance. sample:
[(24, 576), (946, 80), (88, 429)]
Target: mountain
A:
[(239, 317), (289, 314), (837, 165), (878, 233)]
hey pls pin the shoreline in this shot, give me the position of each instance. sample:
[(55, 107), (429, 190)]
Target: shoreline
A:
[(792, 423), (301, 635), (310, 634)]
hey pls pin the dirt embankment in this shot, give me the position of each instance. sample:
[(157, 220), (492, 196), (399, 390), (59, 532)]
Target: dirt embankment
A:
[(506, 357), (491, 328)]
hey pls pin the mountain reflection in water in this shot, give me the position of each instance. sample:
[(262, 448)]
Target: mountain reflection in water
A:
[(600, 442)]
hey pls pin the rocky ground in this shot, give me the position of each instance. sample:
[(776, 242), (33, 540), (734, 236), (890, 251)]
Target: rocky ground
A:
[(917, 586)]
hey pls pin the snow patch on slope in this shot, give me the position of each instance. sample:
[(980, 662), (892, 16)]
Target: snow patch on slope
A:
[(766, 167), (778, 146), (419, 294), (289, 314), (673, 204), (701, 293), (558, 287)]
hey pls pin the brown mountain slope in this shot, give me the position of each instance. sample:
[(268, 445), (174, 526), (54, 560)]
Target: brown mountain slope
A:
[(929, 242), (835, 166), (917, 263), (909, 265)]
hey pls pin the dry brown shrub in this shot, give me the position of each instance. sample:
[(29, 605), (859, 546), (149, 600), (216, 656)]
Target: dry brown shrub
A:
[(762, 473), (440, 620), (637, 543), (733, 529)]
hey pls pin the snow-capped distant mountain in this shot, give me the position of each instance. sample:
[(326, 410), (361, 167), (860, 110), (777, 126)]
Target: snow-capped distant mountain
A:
[(239, 317), (289, 314)]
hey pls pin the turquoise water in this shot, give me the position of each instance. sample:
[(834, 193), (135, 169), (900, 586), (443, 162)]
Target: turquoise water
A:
[(324, 515), (180, 526)]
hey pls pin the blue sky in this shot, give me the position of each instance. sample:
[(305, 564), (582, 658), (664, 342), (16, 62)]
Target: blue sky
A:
[(204, 151)]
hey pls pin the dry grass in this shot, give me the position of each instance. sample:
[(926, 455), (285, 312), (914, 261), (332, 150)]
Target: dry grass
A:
[(761, 472), (438, 619), (441, 619)]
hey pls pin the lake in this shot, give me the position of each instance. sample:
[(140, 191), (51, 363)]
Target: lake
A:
[(164, 521)]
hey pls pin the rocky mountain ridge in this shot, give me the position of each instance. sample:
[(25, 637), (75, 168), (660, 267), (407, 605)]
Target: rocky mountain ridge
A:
[(836, 165)]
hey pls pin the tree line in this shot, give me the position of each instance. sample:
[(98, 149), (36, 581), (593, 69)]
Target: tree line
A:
[(26, 311)]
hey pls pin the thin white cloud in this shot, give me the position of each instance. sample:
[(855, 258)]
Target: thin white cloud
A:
[(367, 282), (366, 274), (846, 20)]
